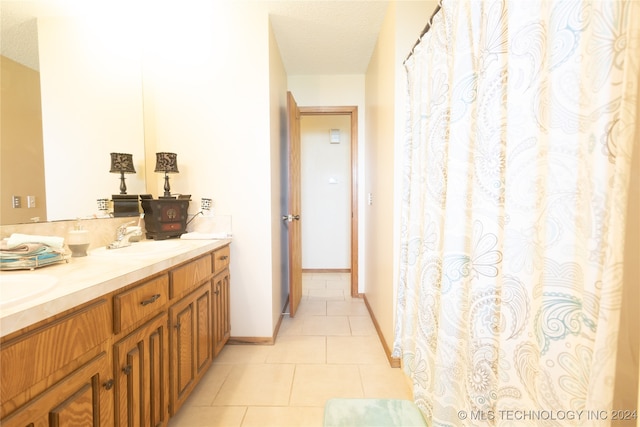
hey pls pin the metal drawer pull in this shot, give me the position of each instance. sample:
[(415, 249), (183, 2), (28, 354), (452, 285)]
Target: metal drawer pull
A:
[(223, 257), (150, 300)]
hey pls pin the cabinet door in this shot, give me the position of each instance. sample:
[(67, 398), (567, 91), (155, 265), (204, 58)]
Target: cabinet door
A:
[(221, 315), (84, 398), (191, 343), (141, 373)]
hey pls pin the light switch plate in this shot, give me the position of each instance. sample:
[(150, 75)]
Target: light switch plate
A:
[(335, 136)]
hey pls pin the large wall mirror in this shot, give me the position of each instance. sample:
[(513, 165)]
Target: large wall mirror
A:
[(71, 95)]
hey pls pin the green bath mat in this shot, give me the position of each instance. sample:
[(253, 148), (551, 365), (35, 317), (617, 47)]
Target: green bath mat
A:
[(372, 413)]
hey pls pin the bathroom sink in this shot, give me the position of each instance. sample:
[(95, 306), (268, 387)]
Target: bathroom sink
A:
[(15, 289), (143, 249)]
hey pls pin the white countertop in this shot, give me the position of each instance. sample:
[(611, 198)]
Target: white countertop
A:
[(86, 278)]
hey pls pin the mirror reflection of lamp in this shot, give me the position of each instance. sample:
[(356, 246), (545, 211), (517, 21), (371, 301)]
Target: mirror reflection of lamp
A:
[(122, 163), (167, 163)]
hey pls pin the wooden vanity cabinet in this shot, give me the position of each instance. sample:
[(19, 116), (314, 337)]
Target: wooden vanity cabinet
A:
[(129, 358)]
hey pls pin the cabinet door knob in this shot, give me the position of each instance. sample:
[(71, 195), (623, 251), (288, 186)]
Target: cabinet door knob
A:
[(108, 385), (177, 325), (151, 300), (223, 257), (127, 370)]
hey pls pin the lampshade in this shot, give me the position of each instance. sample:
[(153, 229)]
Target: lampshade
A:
[(166, 162), (122, 163)]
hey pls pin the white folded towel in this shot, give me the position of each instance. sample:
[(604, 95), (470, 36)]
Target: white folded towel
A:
[(194, 235), (17, 239)]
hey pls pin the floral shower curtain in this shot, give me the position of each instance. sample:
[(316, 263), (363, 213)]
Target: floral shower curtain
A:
[(516, 166)]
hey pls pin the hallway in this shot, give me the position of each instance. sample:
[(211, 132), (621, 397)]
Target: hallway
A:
[(330, 349)]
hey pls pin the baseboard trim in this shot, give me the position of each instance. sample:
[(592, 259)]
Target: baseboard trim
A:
[(394, 362), (261, 340), (251, 341), (326, 270)]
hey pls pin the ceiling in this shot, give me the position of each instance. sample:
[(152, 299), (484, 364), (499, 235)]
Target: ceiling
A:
[(314, 36), (326, 37)]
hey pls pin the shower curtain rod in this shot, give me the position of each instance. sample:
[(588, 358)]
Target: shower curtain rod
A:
[(424, 31)]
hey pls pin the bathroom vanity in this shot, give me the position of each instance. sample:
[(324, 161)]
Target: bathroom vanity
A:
[(120, 338)]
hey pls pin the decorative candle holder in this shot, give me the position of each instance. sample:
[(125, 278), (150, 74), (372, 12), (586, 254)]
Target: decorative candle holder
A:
[(103, 205), (205, 204)]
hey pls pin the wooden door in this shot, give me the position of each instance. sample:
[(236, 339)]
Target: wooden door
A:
[(293, 216)]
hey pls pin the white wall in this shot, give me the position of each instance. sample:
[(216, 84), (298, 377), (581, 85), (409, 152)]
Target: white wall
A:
[(214, 110), (402, 26), (326, 192), (339, 90)]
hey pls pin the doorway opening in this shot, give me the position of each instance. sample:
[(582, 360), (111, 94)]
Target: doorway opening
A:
[(334, 181)]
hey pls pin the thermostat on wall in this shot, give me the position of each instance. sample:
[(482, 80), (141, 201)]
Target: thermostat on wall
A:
[(335, 136)]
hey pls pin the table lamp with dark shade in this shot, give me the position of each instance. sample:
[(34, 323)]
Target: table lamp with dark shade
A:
[(122, 163), (167, 163)]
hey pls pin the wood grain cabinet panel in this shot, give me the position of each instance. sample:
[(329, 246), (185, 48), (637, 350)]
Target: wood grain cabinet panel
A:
[(221, 259), (84, 398), (139, 302), (190, 275), (142, 376), (221, 311), (191, 343), (39, 353)]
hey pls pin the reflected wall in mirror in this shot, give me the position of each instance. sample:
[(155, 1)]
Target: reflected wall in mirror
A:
[(91, 105)]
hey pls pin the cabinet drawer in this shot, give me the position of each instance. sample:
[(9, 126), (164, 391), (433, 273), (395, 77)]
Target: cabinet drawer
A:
[(39, 353), (137, 303), (221, 259), (190, 275)]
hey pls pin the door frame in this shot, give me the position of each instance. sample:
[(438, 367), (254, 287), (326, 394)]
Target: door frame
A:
[(351, 111)]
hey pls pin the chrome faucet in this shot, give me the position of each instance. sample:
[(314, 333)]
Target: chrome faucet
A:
[(123, 235)]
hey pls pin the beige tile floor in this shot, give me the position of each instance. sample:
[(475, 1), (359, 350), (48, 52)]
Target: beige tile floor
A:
[(330, 349)]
